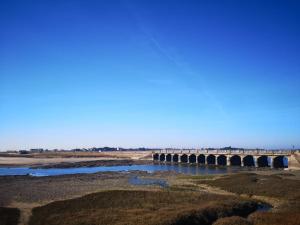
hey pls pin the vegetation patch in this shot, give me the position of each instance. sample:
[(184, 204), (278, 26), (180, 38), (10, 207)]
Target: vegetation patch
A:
[(9, 216), (233, 220), (253, 184), (276, 186), (275, 218), (141, 208), (198, 177)]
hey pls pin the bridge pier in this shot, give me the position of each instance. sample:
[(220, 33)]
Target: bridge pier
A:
[(271, 162), (255, 161), (228, 160)]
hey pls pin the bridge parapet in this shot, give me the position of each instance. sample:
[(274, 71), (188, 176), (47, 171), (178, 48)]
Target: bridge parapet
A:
[(227, 152)]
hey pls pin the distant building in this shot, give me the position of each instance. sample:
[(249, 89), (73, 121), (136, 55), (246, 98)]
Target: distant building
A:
[(77, 150), (12, 151), (22, 152), (36, 150)]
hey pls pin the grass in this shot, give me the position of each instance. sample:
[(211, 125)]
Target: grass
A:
[(180, 204), (182, 187), (141, 208), (253, 184), (9, 216), (276, 186), (233, 220), (278, 218), (262, 218), (197, 177)]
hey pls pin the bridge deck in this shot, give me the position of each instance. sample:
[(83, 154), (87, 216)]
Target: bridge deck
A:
[(228, 152)]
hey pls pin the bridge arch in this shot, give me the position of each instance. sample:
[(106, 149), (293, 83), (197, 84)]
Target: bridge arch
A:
[(175, 158), (155, 156), (280, 162), (211, 159), (222, 160), (248, 160), (263, 161), (162, 157), (235, 160), (201, 159), (169, 158), (192, 158), (184, 158)]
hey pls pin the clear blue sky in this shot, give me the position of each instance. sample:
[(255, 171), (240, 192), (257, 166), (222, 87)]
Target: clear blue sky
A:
[(137, 73)]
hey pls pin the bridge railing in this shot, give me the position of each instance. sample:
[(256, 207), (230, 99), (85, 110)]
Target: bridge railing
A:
[(222, 151)]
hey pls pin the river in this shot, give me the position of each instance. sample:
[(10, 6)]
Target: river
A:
[(179, 168)]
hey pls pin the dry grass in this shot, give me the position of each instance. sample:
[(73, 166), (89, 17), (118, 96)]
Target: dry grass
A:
[(43, 190), (262, 185), (280, 187), (141, 208), (278, 218), (262, 218), (9, 216), (276, 186)]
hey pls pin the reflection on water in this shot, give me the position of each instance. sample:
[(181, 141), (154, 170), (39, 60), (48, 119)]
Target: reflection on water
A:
[(180, 168), (263, 207)]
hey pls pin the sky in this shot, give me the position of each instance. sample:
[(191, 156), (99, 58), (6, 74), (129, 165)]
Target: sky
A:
[(137, 73)]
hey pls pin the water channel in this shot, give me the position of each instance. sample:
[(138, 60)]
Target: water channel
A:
[(150, 168)]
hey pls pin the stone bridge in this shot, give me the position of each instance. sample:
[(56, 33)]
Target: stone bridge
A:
[(250, 158)]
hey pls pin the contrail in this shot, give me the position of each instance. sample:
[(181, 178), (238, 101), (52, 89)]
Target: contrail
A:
[(181, 65)]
